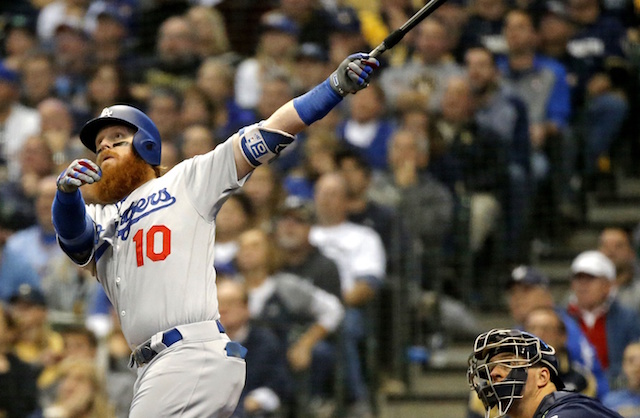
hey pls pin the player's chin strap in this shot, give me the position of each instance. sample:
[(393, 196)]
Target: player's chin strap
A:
[(261, 145)]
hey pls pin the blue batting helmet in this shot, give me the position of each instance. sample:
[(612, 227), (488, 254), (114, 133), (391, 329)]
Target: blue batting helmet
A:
[(146, 140)]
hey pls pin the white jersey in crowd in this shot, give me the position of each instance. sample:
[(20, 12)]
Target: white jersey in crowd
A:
[(356, 249), (155, 278)]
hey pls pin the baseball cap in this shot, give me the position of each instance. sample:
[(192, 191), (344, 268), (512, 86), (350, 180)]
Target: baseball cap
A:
[(71, 24), (7, 74), (299, 208), (113, 12), (346, 20), (28, 294), (313, 52), (20, 21), (276, 21), (594, 263), (529, 276)]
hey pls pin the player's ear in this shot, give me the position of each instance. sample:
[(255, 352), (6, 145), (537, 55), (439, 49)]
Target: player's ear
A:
[(543, 376)]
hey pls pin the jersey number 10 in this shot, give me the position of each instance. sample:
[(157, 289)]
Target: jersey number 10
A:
[(152, 234)]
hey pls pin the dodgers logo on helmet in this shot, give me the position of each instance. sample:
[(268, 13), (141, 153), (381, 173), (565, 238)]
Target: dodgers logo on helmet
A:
[(146, 140)]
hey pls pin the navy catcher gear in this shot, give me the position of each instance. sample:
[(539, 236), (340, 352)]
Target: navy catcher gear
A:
[(524, 350), (146, 140)]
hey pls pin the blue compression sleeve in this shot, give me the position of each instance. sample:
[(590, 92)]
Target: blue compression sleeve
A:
[(71, 221), (315, 104)]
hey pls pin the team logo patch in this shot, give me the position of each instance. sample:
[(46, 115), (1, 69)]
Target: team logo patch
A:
[(256, 145), (106, 112)]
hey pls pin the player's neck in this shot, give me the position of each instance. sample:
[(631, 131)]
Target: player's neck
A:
[(254, 278)]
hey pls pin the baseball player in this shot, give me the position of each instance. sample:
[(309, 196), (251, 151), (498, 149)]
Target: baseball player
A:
[(150, 241), (515, 372)]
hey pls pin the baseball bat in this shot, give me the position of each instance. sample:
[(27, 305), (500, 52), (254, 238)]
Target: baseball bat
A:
[(395, 36)]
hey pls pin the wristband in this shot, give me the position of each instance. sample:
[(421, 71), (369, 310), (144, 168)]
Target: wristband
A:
[(317, 103)]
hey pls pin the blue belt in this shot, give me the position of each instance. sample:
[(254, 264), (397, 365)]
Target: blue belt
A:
[(145, 353)]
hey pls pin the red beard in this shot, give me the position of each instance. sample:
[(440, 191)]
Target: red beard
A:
[(120, 179)]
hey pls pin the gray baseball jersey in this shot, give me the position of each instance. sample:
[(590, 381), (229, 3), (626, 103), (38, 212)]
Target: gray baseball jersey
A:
[(154, 249)]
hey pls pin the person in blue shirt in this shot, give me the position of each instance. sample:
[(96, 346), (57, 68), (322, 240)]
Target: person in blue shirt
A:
[(626, 401)]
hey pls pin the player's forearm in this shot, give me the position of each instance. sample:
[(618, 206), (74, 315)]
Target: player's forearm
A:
[(286, 119), (313, 336), (71, 222)]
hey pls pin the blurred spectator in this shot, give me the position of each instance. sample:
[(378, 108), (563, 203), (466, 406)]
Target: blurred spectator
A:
[(211, 32), (345, 35), (242, 19), (607, 324), (119, 377), (378, 24), (58, 129), (36, 343), (80, 393), (236, 215), (277, 90), (196, 140), (268, 386), (174, 64), (107, 84), (197, 109), (17, 123), (40, 238), (472, 158), (264, 189), (69, 291), (549, 103), (506, 115), (361, 209), (299, 256), (274, 56), (359, 254), (626, 400), (425, 205), (314, 20), (317, 157), (484, 27), (428, 69), (36, 163), (152, 16), (110, 35), (302, 315), (19, 40), (73, 56), (547, 324), (18, 391), (367, 129), (597, 36), (14, 271), (616, 244), (216, 79), (163, 106), (312, 66), (57, 12), (528, 290), (38, 78)]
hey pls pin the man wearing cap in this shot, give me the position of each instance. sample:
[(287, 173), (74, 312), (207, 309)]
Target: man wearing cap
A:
[(528, 290), (608, 325), (299, 255), (17, 123)]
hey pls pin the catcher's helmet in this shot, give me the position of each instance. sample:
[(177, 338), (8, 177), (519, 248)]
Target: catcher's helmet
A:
[(146, 140), (526, 351)]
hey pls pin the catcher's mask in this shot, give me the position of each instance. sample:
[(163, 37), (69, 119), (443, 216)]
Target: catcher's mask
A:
[(523, 350)]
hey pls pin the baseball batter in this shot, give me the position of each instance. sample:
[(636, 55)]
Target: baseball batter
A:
[(150, 242)]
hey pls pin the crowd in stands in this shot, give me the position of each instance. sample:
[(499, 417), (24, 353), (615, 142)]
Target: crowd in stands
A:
[(478, 137)]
